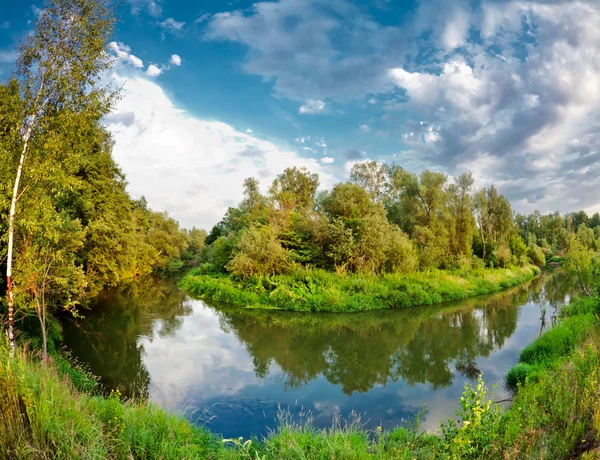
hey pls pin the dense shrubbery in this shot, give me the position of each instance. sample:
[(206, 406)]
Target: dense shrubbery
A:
[(319, 290)]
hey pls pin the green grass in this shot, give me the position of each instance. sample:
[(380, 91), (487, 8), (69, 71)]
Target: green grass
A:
[(319, 290), (43, 415)]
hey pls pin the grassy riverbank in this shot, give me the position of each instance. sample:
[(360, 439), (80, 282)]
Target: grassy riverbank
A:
[(555, 414), (319, 290)]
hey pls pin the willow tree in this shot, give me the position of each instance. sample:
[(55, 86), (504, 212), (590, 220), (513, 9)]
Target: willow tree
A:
[(59, 71)]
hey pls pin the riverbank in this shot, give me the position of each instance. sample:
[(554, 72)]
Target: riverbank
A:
[(322, 291), (554, 414)]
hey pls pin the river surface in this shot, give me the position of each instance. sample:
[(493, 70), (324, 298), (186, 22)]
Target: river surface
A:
[(234, 370)]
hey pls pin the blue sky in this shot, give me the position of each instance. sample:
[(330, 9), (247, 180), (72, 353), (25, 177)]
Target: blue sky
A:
[(217, 91)]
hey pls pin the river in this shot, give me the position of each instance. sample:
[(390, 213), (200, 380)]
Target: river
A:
[(235, 370)]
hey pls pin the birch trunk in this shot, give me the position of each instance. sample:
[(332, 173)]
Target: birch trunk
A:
[(11, 237)]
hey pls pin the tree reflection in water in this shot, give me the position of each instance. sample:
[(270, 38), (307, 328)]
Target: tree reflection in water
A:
[(359, 351), (107, 337), (355, 351)]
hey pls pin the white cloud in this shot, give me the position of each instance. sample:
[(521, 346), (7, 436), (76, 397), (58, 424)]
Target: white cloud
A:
[(172, 25), (327, 160), (175, 59), (249, 131), (523, 117), (153, 71), (38, 12), (455, 32), (190, 167), (364, 128), (202, 18), (311, 107), (152, 7), (8, 56), (123, 52)]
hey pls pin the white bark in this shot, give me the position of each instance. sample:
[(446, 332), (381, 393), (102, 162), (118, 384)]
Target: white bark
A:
[(11, 221)]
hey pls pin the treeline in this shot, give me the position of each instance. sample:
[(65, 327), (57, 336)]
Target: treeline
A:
[(69, 227), (383, 220)]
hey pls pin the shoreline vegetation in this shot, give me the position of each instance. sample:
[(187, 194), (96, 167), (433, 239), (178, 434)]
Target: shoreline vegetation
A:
[(321, 291), (54, 410)]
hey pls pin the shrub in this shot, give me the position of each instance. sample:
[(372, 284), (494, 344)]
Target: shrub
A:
[(536, 255), (260, 254)]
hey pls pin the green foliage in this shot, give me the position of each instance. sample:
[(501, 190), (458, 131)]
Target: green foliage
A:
[(319, 290), (518, 250), (536, 255), (476, 429), (259, 254), (579, 266)]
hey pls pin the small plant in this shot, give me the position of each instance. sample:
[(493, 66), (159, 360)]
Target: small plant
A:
[(474, 433)]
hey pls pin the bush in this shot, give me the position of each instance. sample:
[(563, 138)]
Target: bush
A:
[(536, 255), (518, 374), (260, 254)]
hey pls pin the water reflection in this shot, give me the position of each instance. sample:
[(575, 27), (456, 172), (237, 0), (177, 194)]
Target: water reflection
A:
[(232, 368), (108, 337)]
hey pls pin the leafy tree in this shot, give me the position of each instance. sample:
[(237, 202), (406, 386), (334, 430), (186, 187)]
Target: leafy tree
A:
[(58, 73), (347, 201), (536, 255), (47, 276), (259, 254), (579, 266), (401, 255), (371, 176), (460, 206), (294, 190), (519, 250)]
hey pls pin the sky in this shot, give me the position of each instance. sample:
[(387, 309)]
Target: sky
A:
[(215, 91)]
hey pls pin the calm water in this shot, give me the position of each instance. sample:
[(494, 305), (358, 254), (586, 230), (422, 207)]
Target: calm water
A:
[(232, 369)]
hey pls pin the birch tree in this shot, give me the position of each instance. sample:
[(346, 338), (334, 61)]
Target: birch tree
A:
[(59, 71)]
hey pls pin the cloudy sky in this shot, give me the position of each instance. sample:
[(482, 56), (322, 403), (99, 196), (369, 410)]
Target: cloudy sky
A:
[(217, 91)]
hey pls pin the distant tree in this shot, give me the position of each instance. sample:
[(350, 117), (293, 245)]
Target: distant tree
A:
[(295, 189), (578, 265), (371, 176)]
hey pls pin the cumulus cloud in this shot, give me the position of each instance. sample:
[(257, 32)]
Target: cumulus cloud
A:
[(327, 160), (524, 117), (311, 107), (175, 59), (153, 70), (190, 167), (309, 50), (364, 128), (123, 53)]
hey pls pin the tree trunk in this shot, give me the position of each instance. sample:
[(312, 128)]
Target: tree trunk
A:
[(11, 238)]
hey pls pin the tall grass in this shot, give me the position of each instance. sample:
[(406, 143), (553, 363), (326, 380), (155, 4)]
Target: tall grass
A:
[(319, 290), (43, 415)]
